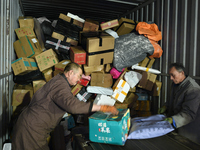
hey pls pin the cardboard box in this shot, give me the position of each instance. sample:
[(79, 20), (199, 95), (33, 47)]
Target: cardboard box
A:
[(106, 57), (147, 81), (120, 90), (125, 26), (101, 79), (46, 60), (76, 89), (55, 72), (25, 31), (97, 42), (130, 99), (27, 47), (142, 105), (22, 94), (147, 62), (107, 68), (61, 65), (23, 65), (109, 24), (78, 55), (156, 88), (119, 105), (38, 84), (132, 89), (25, 21), (106, 128), (48, 74), (90, 25), (73, 21), (89, 69), (65, 38)]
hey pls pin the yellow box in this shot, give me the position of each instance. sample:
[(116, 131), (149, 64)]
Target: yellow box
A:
[(22, 94), (23, 65), (46, 59), (25, 31), (38, 84)]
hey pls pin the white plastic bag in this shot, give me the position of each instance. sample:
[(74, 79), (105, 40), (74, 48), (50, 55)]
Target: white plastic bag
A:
[(149, 127)]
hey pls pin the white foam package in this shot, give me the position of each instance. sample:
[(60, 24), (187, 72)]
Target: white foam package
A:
[(132, 78), (104, 100), (100, 90), (149, 127)]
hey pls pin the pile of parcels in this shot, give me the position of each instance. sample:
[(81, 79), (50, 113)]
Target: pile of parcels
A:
[(116, 58)]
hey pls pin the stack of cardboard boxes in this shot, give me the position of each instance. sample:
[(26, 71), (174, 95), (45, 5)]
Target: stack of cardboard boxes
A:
[(88, 45)]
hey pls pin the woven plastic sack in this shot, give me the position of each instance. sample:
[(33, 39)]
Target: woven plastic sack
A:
[(149, 127)]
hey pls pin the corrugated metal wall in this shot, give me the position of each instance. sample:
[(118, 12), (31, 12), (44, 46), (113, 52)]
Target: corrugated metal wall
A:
[(9, 12), (178, 21)]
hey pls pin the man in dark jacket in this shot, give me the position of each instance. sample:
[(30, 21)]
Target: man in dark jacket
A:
[(47, 108), (183, 108)]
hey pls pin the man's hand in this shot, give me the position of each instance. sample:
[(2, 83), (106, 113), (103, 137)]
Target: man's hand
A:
[(162, 110), (112, 109), (169, 119)]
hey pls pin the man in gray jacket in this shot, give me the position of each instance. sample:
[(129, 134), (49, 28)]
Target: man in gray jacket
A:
[(183, 108)]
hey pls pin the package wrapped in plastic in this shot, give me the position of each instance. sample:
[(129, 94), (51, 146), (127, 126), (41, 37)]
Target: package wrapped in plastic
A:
[(132, 78), (100, 90), (130, 49), (149, 127)]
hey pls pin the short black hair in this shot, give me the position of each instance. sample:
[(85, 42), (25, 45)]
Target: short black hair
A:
[(179, 67), (72, 66)]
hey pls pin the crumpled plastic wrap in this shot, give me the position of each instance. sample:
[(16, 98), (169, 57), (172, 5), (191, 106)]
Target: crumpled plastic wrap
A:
[(130, 49)]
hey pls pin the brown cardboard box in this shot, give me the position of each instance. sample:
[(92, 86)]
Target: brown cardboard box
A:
[(68, 19), (90, 25), (38, 84), (125, 26), (78, 55), (61, 65), (143, 105), (64, 38), (101, 79), (156, 88), (55, 72), (98, 44), (26, 21), (130, 99), (48, 74), (119, 105), (27, 47), (25, 31), (22, 94), (109, 24), (132, 89), (100, 58), (46, 60), (147, 62), (76, 89), (147, 81), (23, 65), (89, 69), (107, 67)]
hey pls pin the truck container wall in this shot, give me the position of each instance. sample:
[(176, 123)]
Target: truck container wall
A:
[(9, 12)]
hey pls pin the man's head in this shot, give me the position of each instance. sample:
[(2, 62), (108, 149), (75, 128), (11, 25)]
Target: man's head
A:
[(177, 72), (73, 73)]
